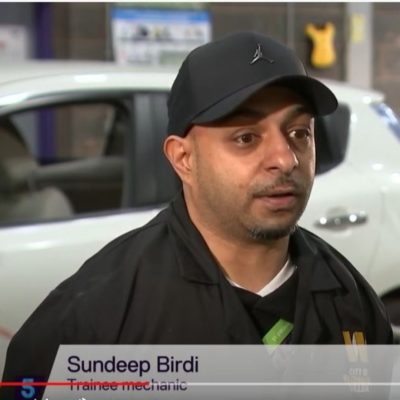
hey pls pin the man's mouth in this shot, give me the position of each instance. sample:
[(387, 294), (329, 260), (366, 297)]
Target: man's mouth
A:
[(279, 198)]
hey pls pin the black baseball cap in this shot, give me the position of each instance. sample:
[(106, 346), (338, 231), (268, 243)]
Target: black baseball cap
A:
[(217, 77)]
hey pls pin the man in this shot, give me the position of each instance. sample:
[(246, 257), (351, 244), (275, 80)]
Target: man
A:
[(225, 262)]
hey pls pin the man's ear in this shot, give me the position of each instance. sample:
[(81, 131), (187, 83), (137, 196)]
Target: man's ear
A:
[(178, 150)]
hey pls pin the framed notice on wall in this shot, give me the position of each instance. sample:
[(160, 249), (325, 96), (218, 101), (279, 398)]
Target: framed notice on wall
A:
[(157, 37), (13, 42)]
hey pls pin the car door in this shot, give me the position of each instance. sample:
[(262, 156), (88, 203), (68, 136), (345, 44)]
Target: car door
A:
[(105, 176)]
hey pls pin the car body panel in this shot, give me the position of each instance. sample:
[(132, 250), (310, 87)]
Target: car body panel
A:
[(354, 197)]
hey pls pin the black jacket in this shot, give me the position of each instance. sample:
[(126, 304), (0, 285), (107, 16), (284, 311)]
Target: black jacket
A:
[(160, 284)]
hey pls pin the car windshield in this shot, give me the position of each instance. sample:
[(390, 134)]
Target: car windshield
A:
[(389, 116)]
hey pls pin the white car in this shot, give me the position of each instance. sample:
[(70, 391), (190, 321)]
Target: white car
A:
[(81, 163)]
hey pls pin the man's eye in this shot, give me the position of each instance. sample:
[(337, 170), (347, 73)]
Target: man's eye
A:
[(301, 133), (245, 138)]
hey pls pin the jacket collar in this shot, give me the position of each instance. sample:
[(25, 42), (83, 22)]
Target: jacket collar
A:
[(305, 254), (196, 261)]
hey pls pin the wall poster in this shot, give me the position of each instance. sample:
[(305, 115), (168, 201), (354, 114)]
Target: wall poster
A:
[(157, 37)]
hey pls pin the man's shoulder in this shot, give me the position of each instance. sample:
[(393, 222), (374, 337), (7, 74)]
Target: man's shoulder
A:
[(150, 234), (122, 256), (344, 271), (326, 250), (103, 284)]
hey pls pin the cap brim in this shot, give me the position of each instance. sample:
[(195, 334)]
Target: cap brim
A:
[(320, 97)]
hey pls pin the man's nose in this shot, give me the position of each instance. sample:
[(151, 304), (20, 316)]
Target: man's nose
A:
[(278, 155)]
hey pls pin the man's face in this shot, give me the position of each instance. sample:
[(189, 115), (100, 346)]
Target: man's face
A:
[(252, 173)]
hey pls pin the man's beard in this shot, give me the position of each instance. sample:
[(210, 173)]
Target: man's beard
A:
[(266, 235)]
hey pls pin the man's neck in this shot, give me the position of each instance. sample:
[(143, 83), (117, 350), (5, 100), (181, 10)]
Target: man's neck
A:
[(249, 263)]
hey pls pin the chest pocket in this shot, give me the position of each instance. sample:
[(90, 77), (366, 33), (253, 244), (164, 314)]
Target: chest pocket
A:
[(340, 322), (331, 327)]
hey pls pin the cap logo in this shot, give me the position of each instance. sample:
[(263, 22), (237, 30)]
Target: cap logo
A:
[(258, 55)]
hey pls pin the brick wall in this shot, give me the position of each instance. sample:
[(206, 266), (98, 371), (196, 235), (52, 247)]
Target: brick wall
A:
[(266, 18), (386, 56), (80, 31)]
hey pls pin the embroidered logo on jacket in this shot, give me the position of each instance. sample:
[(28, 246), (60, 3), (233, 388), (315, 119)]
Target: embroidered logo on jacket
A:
[(356, 342), (358, 373)]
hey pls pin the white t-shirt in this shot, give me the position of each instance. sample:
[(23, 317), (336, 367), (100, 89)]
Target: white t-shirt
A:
[(279, 279)]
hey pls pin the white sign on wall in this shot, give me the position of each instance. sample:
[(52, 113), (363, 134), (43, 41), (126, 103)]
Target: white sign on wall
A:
[(157, 37), (13, 42)]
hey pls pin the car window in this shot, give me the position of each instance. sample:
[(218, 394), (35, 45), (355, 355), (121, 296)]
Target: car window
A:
[(331, 138), (389, 116), (60, 161), (154, 179)]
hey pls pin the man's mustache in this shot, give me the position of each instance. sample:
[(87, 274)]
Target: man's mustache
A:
[(280, 185)]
